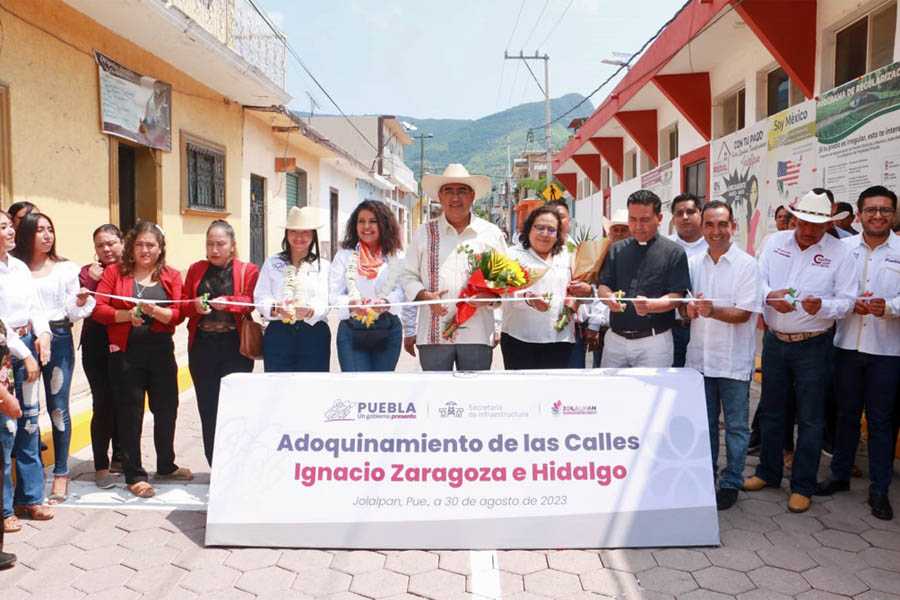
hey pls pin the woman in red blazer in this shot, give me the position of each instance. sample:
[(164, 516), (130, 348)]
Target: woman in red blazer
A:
[(141, 352), (214, 328)]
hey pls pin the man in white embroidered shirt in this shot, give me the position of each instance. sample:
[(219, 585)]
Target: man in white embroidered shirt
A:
[(809, 281), (723, 340), (868, 353), (435, 270)]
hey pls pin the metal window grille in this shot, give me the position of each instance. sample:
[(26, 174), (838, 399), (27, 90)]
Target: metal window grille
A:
[(205, 177)]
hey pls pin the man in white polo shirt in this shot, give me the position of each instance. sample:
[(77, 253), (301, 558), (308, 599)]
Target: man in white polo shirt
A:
[(686, 210), (868, 353), (728, 287), (809, 281)]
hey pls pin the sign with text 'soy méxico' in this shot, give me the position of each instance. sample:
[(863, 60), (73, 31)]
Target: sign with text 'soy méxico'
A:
[(594, 458)]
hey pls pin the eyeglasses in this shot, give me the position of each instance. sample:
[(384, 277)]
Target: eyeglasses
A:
[(458, 192), (885, 211), (545, 229)]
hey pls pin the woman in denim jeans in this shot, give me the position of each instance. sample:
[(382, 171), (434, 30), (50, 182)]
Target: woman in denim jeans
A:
[(366, 270), (63, 301), (19, 437)]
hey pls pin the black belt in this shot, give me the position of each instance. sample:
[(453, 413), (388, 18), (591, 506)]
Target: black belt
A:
[(637, 335), (62, 323)]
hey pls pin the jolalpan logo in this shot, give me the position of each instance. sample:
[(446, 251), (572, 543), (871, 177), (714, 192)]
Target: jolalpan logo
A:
[(340, 411), (558, 408)]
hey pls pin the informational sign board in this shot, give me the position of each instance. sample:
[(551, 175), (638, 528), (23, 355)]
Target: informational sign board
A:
[(134, 106), (559, 459), (859, 134)]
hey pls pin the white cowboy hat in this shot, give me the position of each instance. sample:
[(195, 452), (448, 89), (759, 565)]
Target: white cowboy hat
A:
[(619, 217), (814, 208), (306, 218), (455, 173)]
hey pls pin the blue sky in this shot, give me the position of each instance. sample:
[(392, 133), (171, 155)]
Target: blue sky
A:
[(444, 58)]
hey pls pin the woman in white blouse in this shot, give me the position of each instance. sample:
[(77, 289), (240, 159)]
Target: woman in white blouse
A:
[(63, 302), (292, 294), (366, 270), (537, 333), (19, 438)]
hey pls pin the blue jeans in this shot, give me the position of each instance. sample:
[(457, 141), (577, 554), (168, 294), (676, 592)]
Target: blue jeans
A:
[(865, 381), (803, 366), (681, 337), (57, 376), (352, 359), (732, 397), (577, 359), (20, 439), (296, 348)]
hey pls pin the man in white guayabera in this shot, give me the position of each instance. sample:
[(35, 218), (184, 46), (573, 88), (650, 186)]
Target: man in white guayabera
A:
[(435, 269)]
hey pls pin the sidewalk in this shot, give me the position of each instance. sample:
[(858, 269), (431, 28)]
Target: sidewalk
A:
[(141, 550)]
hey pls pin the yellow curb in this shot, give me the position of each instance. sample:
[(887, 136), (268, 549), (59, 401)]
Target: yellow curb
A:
[(81, 423)]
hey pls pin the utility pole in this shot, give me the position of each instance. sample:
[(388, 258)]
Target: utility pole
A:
[(425, 206), (509, 201), (546, 90)]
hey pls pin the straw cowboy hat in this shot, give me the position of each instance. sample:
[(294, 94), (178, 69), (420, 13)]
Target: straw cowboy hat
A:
[(814, 208), (456, 173), (619, 217), (307, 218)]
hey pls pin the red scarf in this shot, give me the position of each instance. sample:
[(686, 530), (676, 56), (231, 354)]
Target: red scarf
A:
[(369, 262)]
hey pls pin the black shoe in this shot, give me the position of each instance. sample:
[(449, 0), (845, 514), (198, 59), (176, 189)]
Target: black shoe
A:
[(755, 442), (830, 486), (881, 506), (7, 560), (725, 498), (828, 448)]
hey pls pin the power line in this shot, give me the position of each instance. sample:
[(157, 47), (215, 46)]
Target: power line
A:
[(300, 62), (558, 21), (503, 68), (536, 23), (533, 76), (633, 56)]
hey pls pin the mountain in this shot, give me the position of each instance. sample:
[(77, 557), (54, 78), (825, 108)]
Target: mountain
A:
[(480, 144)]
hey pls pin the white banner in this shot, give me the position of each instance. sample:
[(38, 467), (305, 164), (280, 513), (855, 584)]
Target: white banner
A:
[(560, 459), (134, 106)]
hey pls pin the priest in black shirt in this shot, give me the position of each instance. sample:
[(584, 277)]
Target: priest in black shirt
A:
[(653, 269)]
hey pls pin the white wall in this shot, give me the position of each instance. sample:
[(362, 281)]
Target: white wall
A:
[(332, 175), (261, 146)]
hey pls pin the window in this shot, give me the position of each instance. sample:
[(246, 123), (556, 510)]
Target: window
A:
[(668, 144), (203, 175), (673, 143), (631, 165), (604, 177), (695, 180), (781, 92), (733, 109), (295, 189), (865, 45)]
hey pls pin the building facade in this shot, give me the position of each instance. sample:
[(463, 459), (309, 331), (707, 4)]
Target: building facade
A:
[(749, 102)]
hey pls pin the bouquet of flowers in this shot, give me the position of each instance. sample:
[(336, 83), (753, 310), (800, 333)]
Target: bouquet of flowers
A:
[(491, 272)]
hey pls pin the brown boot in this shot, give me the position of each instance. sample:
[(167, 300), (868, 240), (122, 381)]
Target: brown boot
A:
[(798, 503), (754, 483)]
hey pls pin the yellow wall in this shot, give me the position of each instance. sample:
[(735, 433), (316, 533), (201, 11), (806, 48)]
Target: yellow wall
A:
[(60, 158)]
